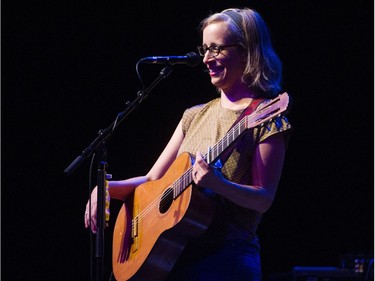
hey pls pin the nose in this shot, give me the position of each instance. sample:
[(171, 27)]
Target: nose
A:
[(207, 57)]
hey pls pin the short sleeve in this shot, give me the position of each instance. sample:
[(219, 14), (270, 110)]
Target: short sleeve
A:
[(188, 117), (278, 125)]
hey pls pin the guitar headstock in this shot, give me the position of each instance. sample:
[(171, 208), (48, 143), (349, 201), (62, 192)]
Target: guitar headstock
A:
[(269, 110)]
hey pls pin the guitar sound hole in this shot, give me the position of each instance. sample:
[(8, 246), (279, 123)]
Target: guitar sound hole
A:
[(166, 200)]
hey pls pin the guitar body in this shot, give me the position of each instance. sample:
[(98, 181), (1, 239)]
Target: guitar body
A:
[(152, 228)]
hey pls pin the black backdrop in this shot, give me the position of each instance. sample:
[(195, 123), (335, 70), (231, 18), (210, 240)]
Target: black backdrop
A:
[(68, 68)]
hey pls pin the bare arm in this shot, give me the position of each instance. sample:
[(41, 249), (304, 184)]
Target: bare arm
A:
[(123, 188), (267, 167)]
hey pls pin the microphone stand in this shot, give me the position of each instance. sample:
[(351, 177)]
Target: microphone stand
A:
[(98, 147)]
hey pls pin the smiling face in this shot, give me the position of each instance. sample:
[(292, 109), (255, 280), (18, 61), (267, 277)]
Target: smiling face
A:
[(227, 67)]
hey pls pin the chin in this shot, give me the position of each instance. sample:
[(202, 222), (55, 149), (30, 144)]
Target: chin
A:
[(217, 82)]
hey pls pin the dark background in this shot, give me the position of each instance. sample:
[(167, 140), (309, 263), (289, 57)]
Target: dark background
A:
[(68, 67)]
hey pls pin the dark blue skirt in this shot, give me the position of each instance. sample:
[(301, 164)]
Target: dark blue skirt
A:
[(226, 261)]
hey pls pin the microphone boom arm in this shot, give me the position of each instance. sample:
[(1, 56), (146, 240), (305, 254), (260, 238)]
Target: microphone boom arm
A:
[(105, 134)]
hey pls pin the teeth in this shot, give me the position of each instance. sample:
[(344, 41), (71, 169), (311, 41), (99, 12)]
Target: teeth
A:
[(214, 71)]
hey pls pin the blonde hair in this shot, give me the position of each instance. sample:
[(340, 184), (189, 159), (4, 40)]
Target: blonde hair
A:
[(263, 69)]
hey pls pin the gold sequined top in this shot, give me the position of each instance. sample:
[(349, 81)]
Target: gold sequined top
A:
[(203, 126)]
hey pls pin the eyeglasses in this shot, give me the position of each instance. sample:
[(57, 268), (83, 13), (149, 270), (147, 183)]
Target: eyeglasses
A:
[(213, 50)]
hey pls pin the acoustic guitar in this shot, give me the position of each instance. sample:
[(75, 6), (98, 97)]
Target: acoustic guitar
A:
[(154, 225)]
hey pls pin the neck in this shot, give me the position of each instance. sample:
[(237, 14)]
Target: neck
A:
[(236, 99)]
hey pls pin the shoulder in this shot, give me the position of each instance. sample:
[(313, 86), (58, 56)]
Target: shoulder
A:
[(194, 111), (279, 124), (199, 107)]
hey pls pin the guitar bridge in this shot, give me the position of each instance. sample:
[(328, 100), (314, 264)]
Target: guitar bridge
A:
[(135, 227)]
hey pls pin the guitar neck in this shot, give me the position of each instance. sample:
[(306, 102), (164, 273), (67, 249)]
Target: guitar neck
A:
[(213, 153), (265, 112), (230, 137)]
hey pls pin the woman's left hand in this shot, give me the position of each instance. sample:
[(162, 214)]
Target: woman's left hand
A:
[(205, 175)]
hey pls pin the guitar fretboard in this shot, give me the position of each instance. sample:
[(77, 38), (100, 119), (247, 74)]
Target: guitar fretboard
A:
[(267, 111), (186, 179)]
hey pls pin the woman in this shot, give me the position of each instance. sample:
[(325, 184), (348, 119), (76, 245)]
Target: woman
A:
[(244, 68)]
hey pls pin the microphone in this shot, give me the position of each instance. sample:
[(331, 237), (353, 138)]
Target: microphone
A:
[(191, 59)]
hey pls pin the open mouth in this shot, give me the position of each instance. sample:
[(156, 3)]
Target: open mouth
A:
[(214, 71)]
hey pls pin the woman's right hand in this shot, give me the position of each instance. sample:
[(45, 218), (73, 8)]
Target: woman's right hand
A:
[(119, 190), (90, 216)]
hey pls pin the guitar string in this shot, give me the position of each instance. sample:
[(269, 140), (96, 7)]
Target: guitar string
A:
[(154, 205), (162, 196), (177, 183)]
